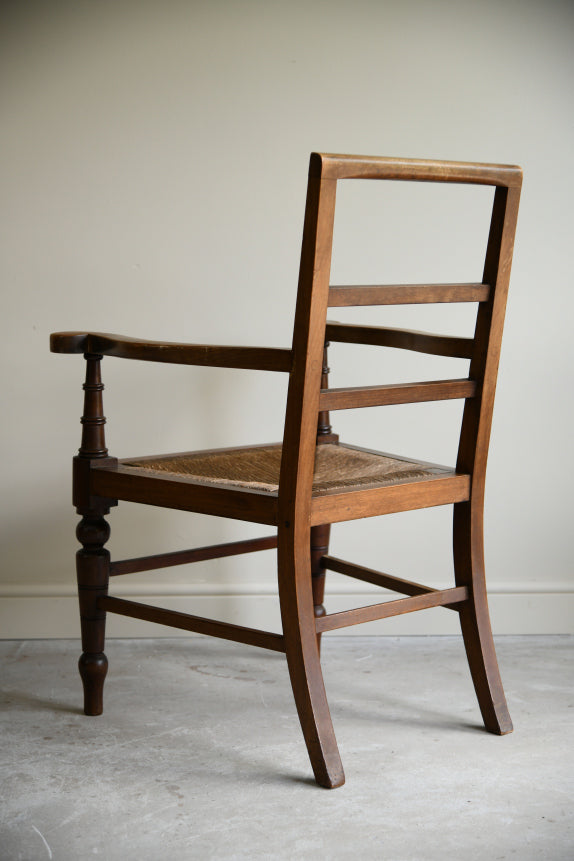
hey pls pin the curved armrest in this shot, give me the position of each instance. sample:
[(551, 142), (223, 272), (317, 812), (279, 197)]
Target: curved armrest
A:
[(249, 358)]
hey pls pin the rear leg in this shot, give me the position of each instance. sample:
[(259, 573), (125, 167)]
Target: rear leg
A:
[(475, 618), (297, 611)]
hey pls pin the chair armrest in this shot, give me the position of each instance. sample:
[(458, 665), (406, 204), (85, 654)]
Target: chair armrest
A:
[(249, 358)]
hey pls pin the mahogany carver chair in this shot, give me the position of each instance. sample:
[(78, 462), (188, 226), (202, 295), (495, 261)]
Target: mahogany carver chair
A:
[(312, 480)]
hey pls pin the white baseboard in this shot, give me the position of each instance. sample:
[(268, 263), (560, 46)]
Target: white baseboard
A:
[(34, 611)]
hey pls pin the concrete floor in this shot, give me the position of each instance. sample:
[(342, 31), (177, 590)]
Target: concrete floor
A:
[(199, 755)]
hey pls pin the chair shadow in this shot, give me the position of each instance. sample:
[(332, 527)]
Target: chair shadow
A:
[(25, 701), (392, 712)]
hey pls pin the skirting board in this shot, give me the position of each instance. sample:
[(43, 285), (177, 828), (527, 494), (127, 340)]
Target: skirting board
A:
[(46, 612)]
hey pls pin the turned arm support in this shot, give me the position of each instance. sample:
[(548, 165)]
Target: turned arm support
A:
[(249, 358)]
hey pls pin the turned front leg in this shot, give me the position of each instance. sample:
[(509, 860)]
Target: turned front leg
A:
[(93, 570), (92, 561)]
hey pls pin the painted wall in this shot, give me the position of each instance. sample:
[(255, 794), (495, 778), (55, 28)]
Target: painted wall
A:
[(153, 173)]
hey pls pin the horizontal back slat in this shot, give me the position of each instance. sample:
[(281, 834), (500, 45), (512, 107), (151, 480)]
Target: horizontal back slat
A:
[(396, 393), (405, 339), (406, 294)]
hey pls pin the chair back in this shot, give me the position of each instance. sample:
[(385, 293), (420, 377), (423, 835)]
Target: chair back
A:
[(307, 400)]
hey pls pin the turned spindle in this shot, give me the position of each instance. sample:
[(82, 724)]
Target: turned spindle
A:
[(320, 534), (324, 430), (93, 420), (93, 560)]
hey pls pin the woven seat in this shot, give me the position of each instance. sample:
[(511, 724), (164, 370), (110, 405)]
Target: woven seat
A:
[(337, 468), (300, 488)]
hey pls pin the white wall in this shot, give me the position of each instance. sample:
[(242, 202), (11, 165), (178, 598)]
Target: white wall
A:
[(153, 172)]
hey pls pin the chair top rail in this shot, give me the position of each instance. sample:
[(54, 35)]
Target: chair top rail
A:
[(332, 166), (209, 355), (344, 296)]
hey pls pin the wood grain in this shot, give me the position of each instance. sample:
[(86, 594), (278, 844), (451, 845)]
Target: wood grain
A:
[(437, 598), (372, 502), (404, 339), (186, 557), (209, 355), (468, 538), (295, 482), (377, 578), (331, 166), (186, 622), (355, 397), (406, 294), (178, 492)]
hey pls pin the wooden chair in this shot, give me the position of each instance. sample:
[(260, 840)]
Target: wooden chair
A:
[(311, 481)]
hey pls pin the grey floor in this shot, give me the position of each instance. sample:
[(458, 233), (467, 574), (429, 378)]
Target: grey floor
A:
[(199, 755)]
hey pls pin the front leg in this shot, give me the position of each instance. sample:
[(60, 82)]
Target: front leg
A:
[(92, 561), (93, 570)]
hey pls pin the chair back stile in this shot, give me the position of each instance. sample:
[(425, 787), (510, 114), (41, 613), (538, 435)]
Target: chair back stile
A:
[(477, 415), (296, 476)]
